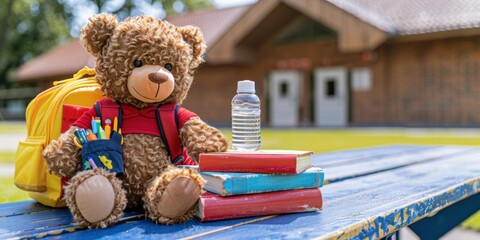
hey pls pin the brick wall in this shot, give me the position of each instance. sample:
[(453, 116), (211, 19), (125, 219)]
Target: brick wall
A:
[(215, 85), (428, 83)]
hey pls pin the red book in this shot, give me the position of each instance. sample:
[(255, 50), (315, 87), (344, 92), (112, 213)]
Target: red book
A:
[(262, 161), (215, 207)]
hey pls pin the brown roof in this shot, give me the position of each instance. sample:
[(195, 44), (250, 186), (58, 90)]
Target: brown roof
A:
[(62, 60), (212, 22), (392, 17), (408, 17), (69, 57)]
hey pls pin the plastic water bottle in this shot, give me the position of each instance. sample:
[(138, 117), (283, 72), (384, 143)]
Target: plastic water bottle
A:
[(246, 118)]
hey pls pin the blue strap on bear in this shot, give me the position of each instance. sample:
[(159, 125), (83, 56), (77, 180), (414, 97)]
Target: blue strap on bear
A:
[(166, 116)]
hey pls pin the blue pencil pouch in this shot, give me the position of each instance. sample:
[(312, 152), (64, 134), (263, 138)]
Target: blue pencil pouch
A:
[(104, 153)]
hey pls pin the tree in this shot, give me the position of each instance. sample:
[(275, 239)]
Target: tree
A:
[(27, 29), (169, 6), (30, 27), (126, 8)]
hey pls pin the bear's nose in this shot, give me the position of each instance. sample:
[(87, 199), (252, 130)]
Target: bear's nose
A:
[(157, 77)]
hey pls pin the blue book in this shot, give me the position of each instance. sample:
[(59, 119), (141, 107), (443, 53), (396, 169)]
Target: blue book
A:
[(228, 184)]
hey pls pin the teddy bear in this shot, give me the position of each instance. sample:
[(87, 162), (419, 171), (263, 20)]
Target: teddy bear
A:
[(141, 63)]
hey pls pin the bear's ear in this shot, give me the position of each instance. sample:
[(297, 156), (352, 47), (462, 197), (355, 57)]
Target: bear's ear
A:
[(194, 38), (96, 33)]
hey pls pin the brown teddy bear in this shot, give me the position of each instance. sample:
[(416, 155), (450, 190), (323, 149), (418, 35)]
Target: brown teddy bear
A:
[(142, 63)]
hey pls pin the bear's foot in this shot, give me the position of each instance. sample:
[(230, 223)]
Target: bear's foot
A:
[(172, 197), (95, 198)]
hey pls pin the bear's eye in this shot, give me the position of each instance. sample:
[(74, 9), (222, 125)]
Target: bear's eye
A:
[(168, 66), (137, 63)]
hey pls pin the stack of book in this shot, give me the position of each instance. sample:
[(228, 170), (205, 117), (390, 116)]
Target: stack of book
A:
[(245, 184)]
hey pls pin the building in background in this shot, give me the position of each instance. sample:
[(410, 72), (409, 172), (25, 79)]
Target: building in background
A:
[(57, 64), (327, 63)]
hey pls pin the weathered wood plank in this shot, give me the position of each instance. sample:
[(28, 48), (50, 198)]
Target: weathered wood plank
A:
[(374, 205), (58, 226), (19, 223), (19, 208), (365, 153), (145, 229), (376, 208), (385, 163), (16, 208)]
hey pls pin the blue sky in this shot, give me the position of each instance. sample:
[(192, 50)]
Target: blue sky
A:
[(232, 3), (84, 10)]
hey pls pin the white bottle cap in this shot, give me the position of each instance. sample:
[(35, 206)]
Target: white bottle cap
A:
[(246, 86)]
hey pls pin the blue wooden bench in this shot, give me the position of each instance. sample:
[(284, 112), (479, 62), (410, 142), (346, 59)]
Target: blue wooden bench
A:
[(370, 193)]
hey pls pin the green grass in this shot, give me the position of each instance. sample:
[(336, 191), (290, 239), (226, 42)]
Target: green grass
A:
[(473, 222), (7, 157), (314, 140), (12, 127), (320, 141), (9, 192), (7, 128)]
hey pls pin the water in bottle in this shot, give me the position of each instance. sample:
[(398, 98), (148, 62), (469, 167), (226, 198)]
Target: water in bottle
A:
[(246, 118)]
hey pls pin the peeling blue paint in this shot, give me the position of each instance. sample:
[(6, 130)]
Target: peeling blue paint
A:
[(370, 207)]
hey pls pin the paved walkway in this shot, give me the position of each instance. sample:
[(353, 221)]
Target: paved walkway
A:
[(9, 141), (6, 170)]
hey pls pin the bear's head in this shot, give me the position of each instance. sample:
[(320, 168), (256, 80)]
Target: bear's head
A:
[(143, 61)]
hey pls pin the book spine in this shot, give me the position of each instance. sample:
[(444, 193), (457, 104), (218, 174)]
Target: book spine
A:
[(258, 183), (249, 163), (214, 207)]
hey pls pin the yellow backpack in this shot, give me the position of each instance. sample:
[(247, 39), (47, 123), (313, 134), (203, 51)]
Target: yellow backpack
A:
[(48, 115)]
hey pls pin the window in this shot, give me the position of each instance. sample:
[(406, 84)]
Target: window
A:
[(361, 79), (283, 89), (330, 88)]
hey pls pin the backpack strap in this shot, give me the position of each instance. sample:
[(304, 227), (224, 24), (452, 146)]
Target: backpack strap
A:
[(108, 109), (167, 116)]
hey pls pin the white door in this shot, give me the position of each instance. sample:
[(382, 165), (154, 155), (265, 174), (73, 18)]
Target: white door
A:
[(331, 97), (284, 98)]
